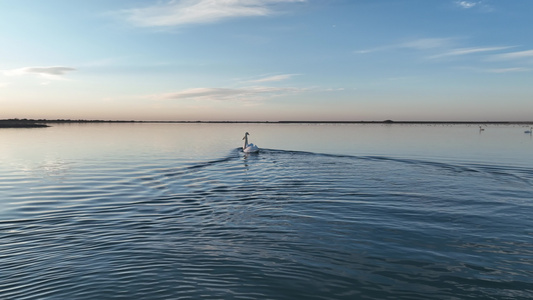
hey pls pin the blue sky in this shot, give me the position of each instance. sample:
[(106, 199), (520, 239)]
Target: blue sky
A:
[(267, 60)]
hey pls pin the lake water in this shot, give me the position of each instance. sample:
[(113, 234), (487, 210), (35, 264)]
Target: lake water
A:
[(177, 211)]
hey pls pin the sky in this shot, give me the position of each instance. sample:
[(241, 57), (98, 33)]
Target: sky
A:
[(267, 60)]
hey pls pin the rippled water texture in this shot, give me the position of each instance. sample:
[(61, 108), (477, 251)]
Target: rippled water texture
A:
[(170, 212)]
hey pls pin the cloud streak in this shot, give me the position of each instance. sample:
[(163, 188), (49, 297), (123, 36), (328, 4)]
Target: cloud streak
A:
[(418, 44), (514, 55), (274, 78), (466, 4), (443, 45), (55, 72), (176, 13), (256, 90), (477, 5), (508, 70), (446, 47), (497, 70), (228, 94), (467, 51)]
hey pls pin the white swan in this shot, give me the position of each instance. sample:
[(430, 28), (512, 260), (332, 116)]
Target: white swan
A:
[(247, 148), (529, 131)]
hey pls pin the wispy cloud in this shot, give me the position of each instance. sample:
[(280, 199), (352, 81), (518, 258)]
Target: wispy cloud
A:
[(466, 4), (481, 6), (226, 94), (427, 43), (436, 48), (508, 70), (466, 51), (273, 78), (496, 70), (175, 13), (54, 73), (514, 55), (417, 44), (448, 50)]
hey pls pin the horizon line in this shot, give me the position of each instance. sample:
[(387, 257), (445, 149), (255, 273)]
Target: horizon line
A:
[(265, 122)]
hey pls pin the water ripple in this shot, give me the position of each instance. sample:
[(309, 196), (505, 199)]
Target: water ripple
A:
[(276, 225)]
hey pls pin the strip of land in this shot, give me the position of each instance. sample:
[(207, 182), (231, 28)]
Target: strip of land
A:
[(31, 123), (16, 123)]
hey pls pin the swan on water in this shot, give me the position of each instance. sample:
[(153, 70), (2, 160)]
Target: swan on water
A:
[(247, 148), (529, 131)]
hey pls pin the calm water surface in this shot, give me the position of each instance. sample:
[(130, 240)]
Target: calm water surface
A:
[(177, 211)]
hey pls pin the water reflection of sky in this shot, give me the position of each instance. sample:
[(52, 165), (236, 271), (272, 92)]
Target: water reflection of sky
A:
[(51, 150), (497, 144)]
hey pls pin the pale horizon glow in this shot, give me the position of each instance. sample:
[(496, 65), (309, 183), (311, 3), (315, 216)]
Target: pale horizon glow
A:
[(267, 60)]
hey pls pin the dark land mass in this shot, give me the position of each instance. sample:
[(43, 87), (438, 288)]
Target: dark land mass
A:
[(23, 123), (31, 123), (41, 123)]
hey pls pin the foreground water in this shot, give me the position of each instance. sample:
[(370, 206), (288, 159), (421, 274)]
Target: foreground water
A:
[(177, 211)]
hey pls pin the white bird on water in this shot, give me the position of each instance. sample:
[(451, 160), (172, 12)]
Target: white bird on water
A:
[(247, 148)]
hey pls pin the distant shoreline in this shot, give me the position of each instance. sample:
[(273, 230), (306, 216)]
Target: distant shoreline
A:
[(24, 123), (41, 123)]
